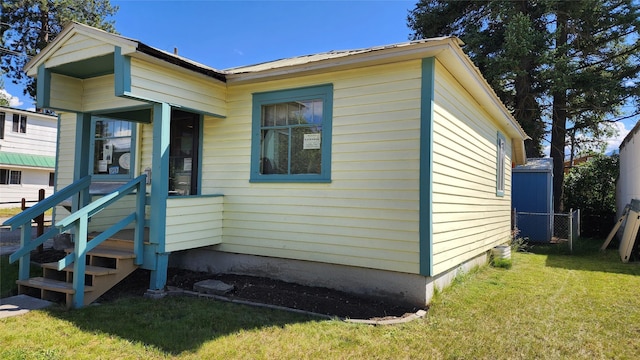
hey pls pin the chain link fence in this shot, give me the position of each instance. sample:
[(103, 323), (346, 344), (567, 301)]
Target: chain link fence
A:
[(548, 227)]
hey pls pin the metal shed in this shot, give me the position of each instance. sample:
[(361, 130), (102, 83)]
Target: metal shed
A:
[(532, 199)]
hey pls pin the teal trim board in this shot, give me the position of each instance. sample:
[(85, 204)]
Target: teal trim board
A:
[(121, 72), (82, 157), (160, 173), (426, 167), (501, 143), (43, 87)]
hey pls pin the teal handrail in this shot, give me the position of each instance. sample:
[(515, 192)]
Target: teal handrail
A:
[(79, 220), (24, 219)]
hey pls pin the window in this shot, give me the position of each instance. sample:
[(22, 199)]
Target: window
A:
[(184, 149), (20, 123), (500, 164), (112, 145), (291, 138), (2, 125), (11, 177), (52, 178)]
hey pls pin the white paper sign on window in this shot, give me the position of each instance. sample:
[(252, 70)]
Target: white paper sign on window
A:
[(311, 141)]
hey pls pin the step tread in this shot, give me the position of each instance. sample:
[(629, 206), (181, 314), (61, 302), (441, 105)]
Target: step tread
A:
[(108, 252), (89, 269), (52, 285)]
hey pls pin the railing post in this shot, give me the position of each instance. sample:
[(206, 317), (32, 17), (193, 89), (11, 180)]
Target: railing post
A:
[(25, 261), (40, 221), (140, 221), (79, 265)]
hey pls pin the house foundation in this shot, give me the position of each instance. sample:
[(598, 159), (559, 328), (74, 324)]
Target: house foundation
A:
[(412, 289)]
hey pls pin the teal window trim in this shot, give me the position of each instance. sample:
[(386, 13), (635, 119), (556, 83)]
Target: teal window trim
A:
[(323, 92), (132, 152), (501, 155)]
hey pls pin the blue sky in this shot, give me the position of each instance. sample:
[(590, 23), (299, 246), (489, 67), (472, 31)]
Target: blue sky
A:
[(224, 34)]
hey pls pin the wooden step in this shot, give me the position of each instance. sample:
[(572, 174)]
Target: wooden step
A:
[(51, 285), (89, 269), (108, 252)]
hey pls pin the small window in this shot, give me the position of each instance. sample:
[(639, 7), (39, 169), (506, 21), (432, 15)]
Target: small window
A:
[(2, 117), (112, 145), (20, 123), (291, 139), (500, 164), (52, 179), (10, 177)]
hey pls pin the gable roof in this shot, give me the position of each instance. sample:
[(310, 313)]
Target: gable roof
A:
[(446, 49)]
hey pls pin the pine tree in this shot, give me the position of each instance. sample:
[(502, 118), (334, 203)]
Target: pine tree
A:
[(27, 26), (551, 62)]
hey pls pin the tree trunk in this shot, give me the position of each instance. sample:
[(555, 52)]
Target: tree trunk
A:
[(559, 116)]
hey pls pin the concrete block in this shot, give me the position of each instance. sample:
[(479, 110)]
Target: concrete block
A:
[(214, 287)]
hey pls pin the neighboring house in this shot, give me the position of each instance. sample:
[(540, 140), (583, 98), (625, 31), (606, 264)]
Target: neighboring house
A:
[(628, 186), (27, 155), (383, 171)]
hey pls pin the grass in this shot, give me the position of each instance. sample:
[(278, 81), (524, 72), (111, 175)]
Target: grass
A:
[(549, 305), (9, 274), (9, 212)]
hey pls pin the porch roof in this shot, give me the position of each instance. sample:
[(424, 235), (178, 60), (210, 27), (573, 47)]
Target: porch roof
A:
[(26, 160)]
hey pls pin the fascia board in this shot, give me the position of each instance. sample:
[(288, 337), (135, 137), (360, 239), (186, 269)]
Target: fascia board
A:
[(374, 57), (128, 46)]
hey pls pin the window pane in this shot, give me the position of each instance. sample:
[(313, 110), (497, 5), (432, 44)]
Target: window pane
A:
[(274, 157), (16, 122), (294, 113), (269, 115), (15, 177), (305, 151), (2, 117), (4, 176), (112, 147), (281, 114)]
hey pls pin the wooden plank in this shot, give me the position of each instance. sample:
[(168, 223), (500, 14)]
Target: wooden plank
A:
[(89, 270), (615, 229), (51, 285), (629, 235)]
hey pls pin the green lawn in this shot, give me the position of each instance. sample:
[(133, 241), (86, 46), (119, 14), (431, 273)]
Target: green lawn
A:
[(549, 305)]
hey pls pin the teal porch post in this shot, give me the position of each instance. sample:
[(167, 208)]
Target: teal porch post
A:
[(82, 157), (159, 193)]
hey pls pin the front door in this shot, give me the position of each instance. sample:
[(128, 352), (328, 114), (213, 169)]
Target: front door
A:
[(184, 157)]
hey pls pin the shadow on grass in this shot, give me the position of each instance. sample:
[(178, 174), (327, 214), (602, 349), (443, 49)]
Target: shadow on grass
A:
[(174, 324), (586, 255)]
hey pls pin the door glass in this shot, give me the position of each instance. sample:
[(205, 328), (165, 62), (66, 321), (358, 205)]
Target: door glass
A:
[(183, 153)]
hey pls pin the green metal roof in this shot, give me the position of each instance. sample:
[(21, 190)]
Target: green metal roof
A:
[(8, 158)]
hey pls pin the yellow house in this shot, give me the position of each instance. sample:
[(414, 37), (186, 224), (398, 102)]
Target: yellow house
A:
[(383, 171)]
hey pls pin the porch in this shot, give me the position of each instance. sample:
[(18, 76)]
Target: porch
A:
[(99, 260)]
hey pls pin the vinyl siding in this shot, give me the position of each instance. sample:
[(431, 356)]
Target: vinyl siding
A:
[(40, 138), (368, 215), (65, 92), (184, 88), (468, 217), (66, 155), (99, 94), (193, 222), (79, 46), (628, 185)]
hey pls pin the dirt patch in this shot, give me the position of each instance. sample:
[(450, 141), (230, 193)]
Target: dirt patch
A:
[(260, 290)]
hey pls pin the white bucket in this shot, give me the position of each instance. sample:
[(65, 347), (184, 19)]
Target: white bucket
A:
[(501, 252)]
